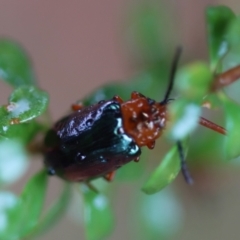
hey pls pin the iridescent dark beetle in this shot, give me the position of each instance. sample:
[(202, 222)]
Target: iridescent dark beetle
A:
[(94, 141)]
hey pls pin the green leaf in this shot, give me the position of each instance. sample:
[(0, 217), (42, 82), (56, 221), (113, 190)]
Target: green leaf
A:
[(233, 35), (184, 116), (11, 228), (98, 215), (13, 160), (25, 215), (32, 200), (218, 19), (53, 214), (232, 58), (193, 80), (232, 113), (25, 103), (164, 174), (15, 66), (24, 132), (8, 202)]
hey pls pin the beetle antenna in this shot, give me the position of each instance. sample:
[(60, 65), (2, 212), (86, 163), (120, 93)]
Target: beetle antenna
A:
[(172, 74), (184, 167)]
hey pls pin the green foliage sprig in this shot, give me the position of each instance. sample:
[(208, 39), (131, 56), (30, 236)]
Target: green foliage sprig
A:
[(23, 217)]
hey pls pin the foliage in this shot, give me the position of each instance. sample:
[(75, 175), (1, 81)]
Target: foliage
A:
[(22, 215)]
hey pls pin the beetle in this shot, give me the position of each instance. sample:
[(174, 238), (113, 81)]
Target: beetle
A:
[(96, 140)]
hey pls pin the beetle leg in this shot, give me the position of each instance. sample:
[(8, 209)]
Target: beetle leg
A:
[(136, 159), (92, 187), (109, 177), (118, 99), (151, 145), (77, 106)]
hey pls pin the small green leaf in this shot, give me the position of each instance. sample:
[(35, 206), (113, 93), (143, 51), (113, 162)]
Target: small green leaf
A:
[(25, 103), (13, 160), (233, 35), (32, 200), (11, 229), (15, 66), (193, 80), (232, 113), (232, 58), (218, 19), (184, 116), (98, 215), (24, 132), (164, 174), (8, 202), (25, 214), (54, 213)]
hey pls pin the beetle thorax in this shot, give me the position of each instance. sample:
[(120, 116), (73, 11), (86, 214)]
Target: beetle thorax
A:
[(144, 120)]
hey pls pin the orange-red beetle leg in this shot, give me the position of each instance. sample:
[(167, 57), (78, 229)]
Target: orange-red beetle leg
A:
[(151, 145), (136, 159), (77, 106), (118, 99), (109, 177)]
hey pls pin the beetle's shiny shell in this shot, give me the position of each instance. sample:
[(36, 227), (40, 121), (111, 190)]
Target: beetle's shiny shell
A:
[(89, 143)]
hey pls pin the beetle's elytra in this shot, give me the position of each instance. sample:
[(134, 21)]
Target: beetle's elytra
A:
[(94, 141), (90, 143)]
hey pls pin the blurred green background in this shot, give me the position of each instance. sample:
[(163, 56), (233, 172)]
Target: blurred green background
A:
[(79, 46)]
